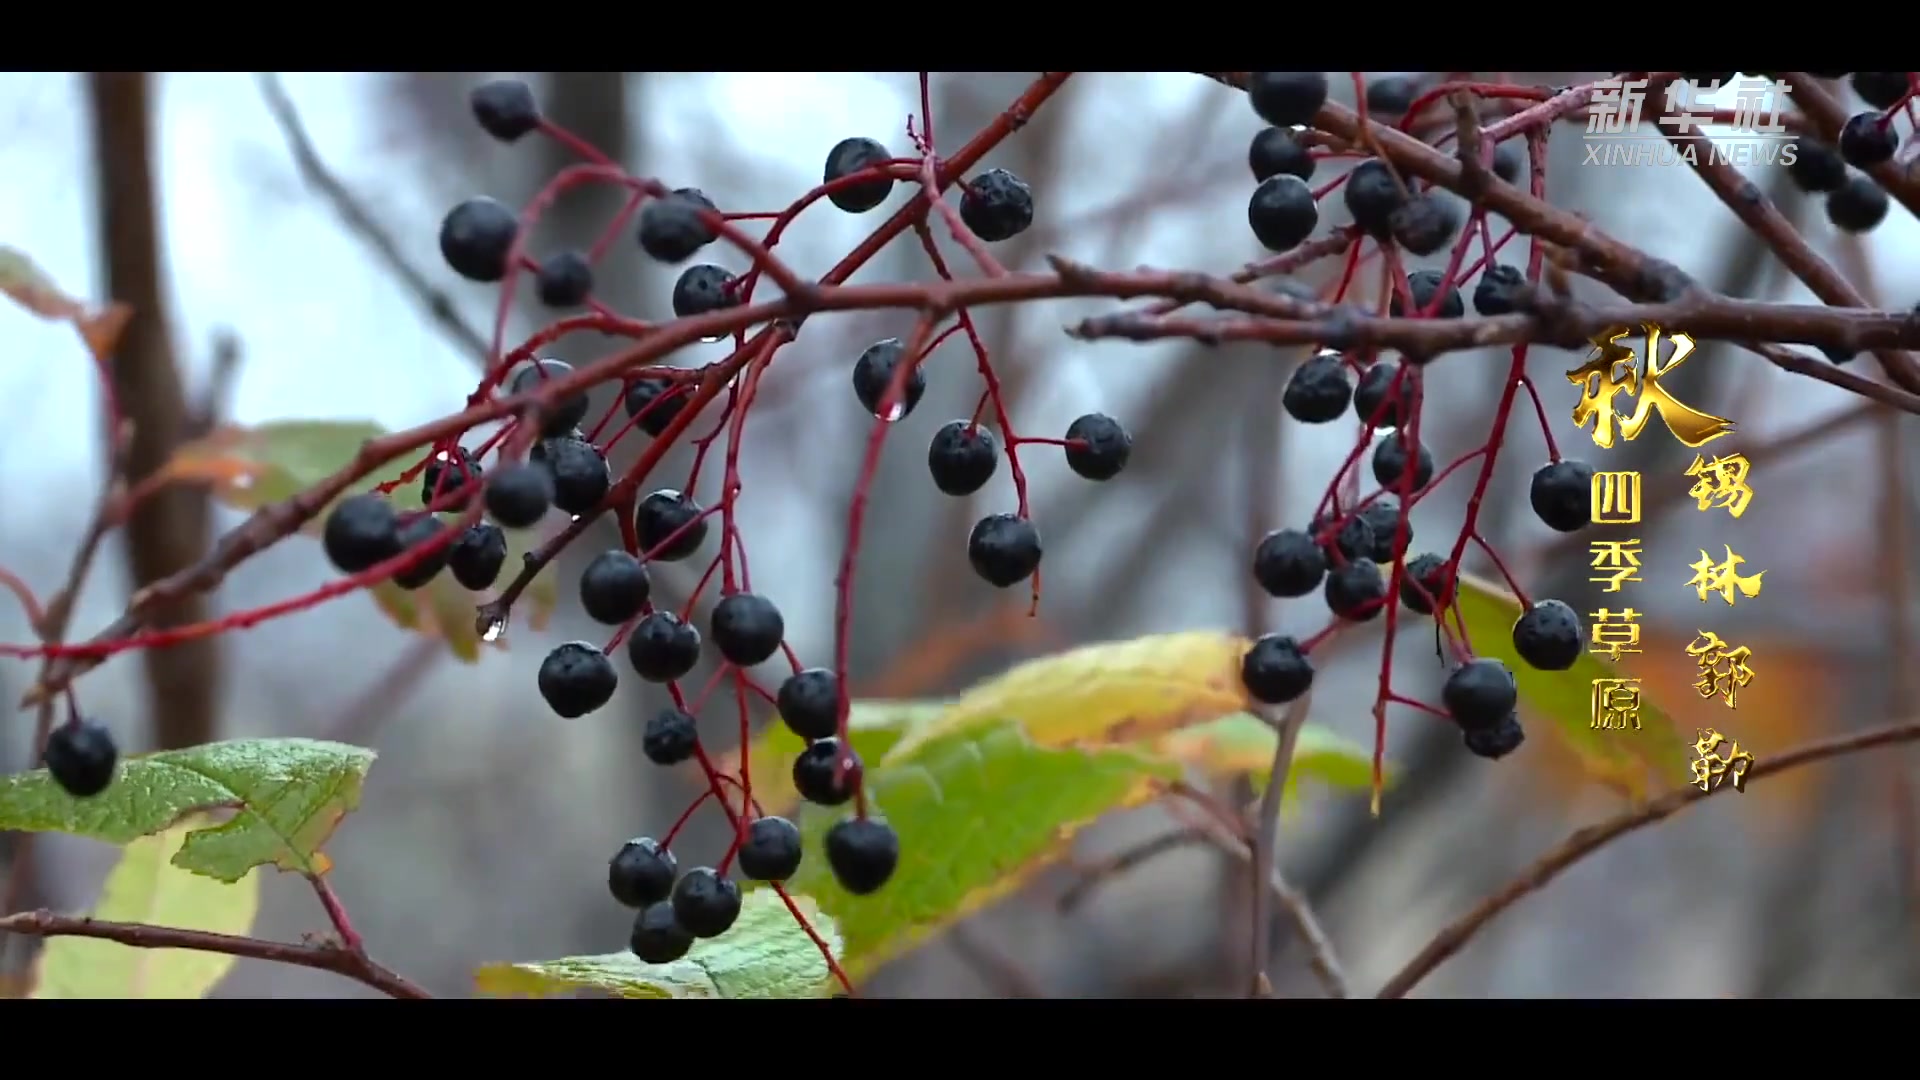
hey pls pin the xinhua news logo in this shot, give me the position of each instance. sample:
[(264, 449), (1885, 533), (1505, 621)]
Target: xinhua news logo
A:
[(1746, 116)]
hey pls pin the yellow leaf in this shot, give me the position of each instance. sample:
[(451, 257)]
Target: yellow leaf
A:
[(1107, 694), (1243, 745), (147, 888)]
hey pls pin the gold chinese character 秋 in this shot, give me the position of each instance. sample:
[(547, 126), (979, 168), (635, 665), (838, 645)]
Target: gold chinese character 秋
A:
[(1723, 577), (1723, 669), (1621, 560), (1710, 769), (1722, 482), (1616, 705), (1615, 632), (1616, 498), (1615, 369)]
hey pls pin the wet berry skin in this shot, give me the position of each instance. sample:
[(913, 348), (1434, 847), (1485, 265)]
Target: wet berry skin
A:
[(580, 474), (565, 280), (813, 770), (657, 937), (561, 417), (850, 156), (1275, 151), (476, 237), (1004, 549), (505, 109), (81, 756), (361, 532), (704, 903), (771, 851), (1479, 693), (809, 703), (996, 206), (671, 229), (639, 402), (1102, 449), (576, 678), (1355, 591), (862, 853), (418, 532), (1436, 585), (873, 375), (670, 525), (1282, 212), (476, 558), (1319, 390), (1866, 142), (962, 457), (670, 738), (663, 647), (1287, 98), (1561, 494), (1549, 636), (747, 628), (1289, 563), (1275, 671), (614, 587), (446, 474), (518, 494), (704, 288), (1497, 741), (641, 873)]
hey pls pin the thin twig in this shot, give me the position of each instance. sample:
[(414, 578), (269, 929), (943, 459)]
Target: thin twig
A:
[(1452, 938), (360, 221), (1266, 831)]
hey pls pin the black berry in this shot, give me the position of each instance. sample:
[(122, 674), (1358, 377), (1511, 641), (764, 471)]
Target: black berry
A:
[(580, 474), (1500, 290), (1372, 196), (576, 678), (962, 457), (863, 853), (809, 703), (1497, 741), (1392, 530), (565, 280), (702, 288), (1865, 141), (1288, 563), (418, 532), (560, 417), (1880, 89), (671, 229), (1098, 447), (1390, 96), (641, 873), (1356, 591), (1354, 539), (519, 493), (1816, 167), (447, 474), (813, 770), (997, 205), (1287, 98), (1390, 463), (505, 108), (1377, 402), (671, 736), (1479, 693), (1319, 390), (1858, 206), (1423, 224), (1423, 286), (81, 755), (771, 851), (671, 525), (1282, 212), (1548, 636), (1435, 584), (475, 558), (704, 903), (361, 532), (1004, 549), (1562, 495), (614, 587), (747, 628), (663, 647), (658, 938), (477, 236), (1274, 669), (641, 396), (873, 374), (1276, 152), (850, 156)]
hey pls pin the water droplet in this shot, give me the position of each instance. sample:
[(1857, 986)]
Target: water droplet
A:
[(892, 415), (492, 631), (711, 340), (575, 517), (243, 481)]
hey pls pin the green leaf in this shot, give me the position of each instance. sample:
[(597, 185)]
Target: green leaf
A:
[(765, 955), (253, 467), (1243, 744), (873, 727), (1623, 760), (287, 795), (977, 810), (146, 888)]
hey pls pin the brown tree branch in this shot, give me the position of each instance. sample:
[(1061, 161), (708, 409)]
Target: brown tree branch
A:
[(1452, 938), (168, 531)]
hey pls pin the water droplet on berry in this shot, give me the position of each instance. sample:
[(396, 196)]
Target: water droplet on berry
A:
[(892, 415), (575, 517), (493, 630), (711, 340)]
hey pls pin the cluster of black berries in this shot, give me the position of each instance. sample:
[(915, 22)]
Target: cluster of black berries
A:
[(1855, 203)]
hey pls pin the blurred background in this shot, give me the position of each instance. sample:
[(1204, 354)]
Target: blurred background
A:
[(486, 822)]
